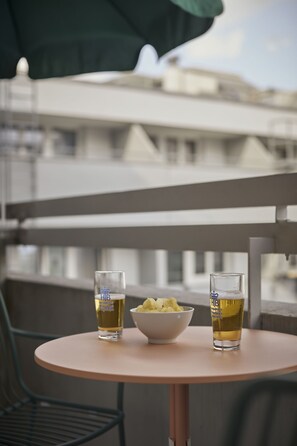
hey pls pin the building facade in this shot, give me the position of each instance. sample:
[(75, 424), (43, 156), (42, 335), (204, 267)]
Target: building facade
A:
[(67, 137)]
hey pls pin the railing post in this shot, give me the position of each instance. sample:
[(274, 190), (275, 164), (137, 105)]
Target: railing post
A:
[(281, 213), (2, 260), (257, 246)]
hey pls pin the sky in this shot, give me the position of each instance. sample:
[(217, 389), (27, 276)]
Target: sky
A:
[(256, 39)]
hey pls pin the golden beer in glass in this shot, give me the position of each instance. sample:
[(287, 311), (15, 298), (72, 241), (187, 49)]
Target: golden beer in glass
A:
[(227, 309), (110, 303)]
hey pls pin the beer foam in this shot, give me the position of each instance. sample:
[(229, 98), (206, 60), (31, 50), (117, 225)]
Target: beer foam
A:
[(113, 296), (229, 295)]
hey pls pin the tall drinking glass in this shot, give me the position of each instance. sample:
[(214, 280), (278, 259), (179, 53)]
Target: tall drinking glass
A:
[(227, 306), (110, 303)]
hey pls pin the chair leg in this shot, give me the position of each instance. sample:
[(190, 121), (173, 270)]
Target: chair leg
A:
[(271, 406), (122, 433)]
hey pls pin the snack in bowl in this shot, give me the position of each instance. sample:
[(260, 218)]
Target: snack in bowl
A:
[(161, 320), (163, 305)]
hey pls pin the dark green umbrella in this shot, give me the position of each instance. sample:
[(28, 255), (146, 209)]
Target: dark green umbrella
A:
[(67, 37)]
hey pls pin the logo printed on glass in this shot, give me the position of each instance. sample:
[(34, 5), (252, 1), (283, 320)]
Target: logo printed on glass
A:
[(105, 293), (107, 304), (214, 294), (216, 312)]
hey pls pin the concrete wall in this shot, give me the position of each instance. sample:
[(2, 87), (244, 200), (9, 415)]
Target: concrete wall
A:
[(94, 142), (66, 307), (150, 107)]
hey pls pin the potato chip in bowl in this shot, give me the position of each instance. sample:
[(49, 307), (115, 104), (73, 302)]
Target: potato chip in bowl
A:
[(163, 305)]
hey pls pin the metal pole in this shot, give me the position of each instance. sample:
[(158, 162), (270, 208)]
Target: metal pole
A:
[(179, 415)]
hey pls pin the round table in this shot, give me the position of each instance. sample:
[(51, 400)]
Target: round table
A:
[(190, 360)]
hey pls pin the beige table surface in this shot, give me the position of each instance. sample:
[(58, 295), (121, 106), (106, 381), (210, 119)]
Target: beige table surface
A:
[(190, 360)]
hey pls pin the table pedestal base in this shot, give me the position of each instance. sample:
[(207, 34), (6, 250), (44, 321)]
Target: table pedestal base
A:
[(179, 415)]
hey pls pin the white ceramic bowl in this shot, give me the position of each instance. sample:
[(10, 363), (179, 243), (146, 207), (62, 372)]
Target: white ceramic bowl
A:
[(162, 328)]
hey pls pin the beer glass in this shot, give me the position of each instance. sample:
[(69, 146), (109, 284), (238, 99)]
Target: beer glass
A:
[(226, 306), (110, 303)]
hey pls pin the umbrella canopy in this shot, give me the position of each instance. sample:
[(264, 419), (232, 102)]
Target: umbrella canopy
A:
[(67, 37)]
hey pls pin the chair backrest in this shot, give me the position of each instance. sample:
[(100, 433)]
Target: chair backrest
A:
[(265, 415), (12, 388)]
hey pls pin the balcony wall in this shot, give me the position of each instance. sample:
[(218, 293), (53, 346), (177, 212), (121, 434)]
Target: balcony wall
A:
[(66, 306)]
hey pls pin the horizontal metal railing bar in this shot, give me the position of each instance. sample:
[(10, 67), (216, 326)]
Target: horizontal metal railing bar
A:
[(271, 190), (228, 237)]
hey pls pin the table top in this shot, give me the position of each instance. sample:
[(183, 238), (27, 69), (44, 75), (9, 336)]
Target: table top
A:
[(190, 360)]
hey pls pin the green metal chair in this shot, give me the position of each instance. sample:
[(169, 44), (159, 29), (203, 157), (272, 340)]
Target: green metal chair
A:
[(27, 419), (273, 405)]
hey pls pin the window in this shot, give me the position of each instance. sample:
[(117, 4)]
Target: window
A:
[(57, 258), (98, 259), (281, 152), (64, 142), (26, 259), (117, 137), (175, 266), (199, 262), (171, 150), (218, 262), (191, 151), (9, 136), (154, 139), (32, 138), (21, 138)]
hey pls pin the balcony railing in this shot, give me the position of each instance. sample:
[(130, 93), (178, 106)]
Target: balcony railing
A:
[(255, 239), (51, 298)]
